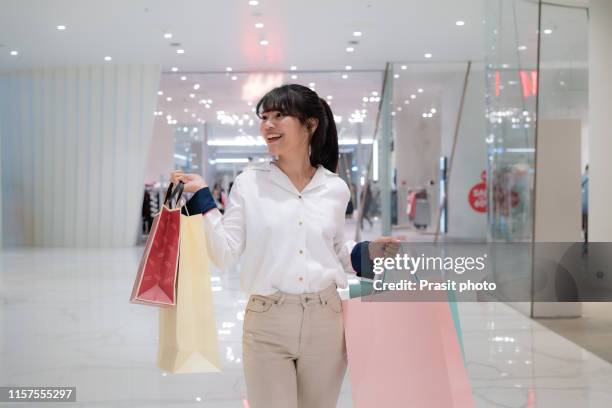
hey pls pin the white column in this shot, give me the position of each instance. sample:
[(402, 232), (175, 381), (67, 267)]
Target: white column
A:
[(75, 141), (600, 120)]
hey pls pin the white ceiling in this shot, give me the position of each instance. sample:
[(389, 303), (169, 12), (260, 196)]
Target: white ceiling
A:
[(215, 34)]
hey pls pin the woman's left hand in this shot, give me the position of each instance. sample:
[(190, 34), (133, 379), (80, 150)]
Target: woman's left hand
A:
[(384, 247)]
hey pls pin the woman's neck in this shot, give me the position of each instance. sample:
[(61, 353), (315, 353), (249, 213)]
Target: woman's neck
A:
[(298, 169)]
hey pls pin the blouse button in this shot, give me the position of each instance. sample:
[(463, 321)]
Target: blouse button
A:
[(299, 222), (300, 279), (301, 252), (300, 196)]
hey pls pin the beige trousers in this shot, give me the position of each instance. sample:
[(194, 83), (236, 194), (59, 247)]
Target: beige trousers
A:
[(293, 350)]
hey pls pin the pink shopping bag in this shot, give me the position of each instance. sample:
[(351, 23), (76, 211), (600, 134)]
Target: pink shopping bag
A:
[(404, 354)]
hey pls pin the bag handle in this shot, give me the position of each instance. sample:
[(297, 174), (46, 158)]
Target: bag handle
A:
[(173, 194)]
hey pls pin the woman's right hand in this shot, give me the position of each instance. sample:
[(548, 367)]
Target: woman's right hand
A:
[(193, 182)]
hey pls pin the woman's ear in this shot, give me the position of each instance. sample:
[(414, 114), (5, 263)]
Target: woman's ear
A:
[(313, 123)]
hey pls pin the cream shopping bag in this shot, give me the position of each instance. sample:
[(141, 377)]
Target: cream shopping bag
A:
[(187, 333)]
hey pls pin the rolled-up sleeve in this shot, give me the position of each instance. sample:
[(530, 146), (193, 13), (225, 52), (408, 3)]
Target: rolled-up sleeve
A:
[(225, 233)]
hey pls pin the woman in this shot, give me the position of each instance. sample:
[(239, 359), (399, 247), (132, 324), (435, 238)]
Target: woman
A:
[(286, 220)]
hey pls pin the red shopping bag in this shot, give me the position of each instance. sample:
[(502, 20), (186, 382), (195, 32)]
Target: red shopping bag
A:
[(155, 283), (404, 354)]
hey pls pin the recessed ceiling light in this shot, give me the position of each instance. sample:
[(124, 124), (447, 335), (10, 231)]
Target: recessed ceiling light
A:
[(259, 25), (344, 76), (61, 27), (253, 2), (413, 96), (167, 35), (365, 99), (180, 51), (348, 67), (293, 68), (374, 93), (522, 47), (548, 31), (228, 69), (420, 90), (460, 23), (14, 53), (329, 97), (294, 76), (312, 84), (174, 69), (399, 108), (396, 76), (169, 99), (404, 67), (196, 86), (350, 49), (234, 77), (428, 55), (192, 95), (264, 42), (424, 115), (185, 110), (107, 58), (433, 110), (392, 113), (357, 33), (406, 102), (160, 92), (183, 78)]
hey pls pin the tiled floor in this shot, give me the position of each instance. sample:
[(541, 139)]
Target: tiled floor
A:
[(65, 320)]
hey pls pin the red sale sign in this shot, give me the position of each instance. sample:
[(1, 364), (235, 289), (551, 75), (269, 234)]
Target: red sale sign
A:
[(478, 197)]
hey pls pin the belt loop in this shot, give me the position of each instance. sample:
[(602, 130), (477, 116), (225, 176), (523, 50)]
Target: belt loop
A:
[(282, 298), (321, 298)]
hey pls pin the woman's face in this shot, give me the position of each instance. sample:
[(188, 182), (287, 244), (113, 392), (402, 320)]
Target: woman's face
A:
[(283, 134)]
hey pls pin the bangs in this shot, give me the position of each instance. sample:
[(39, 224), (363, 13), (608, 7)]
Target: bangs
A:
[(283, 100)]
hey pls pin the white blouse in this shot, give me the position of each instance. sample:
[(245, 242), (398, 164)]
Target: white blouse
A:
[(289, 240)]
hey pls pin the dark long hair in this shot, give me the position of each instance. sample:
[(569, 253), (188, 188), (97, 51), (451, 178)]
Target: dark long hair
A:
[(304, 104)]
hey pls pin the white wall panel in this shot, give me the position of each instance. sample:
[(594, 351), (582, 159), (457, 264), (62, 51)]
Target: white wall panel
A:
[(74, 145)]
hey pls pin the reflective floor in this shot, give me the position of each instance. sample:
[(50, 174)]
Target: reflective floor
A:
[(65, 320)]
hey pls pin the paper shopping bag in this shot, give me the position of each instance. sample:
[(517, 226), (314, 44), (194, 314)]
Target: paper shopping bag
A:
[(187, 333), (404, 354), (156, 279)]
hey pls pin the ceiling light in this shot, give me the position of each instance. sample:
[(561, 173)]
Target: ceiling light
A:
[(196, 86), (183, 78), (413, 96), (61, 27), (192, 95), (228, 69), (548, 31), (294, 76), (312, 84), (264, 42), (293, 68), (433, 110), (14, 53), (365, 99), (167, 35), (169, 99), (329, 97), (174, 69), (234, 77), (185, 110), (107, 58), (357, 33), (344, 76), (253, 2), (420, 90), (374, 93), (424, 115), (259, 25), (428, 55), (460, 23), (348, 67), (392, 113), (522, 47), (399, 108), (160, 92), (406, 102), (404, 67), (350, 49), (180, 51), (396, 76)]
